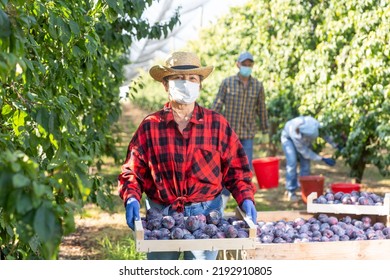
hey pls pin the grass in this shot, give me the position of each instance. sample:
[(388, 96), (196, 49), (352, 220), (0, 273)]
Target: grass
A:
[(123, 249)]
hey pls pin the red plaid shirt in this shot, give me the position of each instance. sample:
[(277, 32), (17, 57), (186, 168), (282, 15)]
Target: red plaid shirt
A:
[(174, 168)]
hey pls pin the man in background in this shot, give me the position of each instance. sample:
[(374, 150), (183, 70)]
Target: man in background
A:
[(241, 100)]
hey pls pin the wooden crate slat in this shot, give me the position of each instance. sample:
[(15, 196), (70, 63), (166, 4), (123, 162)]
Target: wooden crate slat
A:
[(181, 245), (338, 250), (195, 244)]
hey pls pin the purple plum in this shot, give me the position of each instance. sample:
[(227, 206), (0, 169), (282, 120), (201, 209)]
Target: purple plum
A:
[(188, 236), (179, 217), (338, 195), (219, 234), (378, 226), (213, 217), (177, 233), (153, 213), (231, 232), (242, 234), (329, 196), (192, 223), (202, 218), (323, 218), (168, 222), (211, 229), (266, 238), (153, 224), (332, 220)]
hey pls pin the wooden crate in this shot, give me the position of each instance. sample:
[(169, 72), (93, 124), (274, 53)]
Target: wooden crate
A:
[(181, 245), (382, 210), (337, 250)]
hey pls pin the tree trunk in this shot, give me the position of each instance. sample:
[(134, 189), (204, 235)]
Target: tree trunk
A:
[(357, 169)]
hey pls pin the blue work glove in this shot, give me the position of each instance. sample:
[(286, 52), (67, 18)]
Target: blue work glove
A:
[(250, 210), (329, 161), (132, 211)]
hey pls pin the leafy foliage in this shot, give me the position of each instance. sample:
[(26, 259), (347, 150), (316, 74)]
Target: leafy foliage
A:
[(60, 72)]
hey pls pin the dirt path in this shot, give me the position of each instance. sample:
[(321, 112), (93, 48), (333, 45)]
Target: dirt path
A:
[(91, 230), (84, 244)]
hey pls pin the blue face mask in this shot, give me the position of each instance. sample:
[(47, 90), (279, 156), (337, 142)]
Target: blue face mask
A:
[(245, 71)]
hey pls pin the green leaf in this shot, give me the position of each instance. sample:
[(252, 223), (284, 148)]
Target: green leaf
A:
[(19, 121), (20, 181), (34, 244), (5, 26), (74, 27), (6, 109), (90, 44), (24, 204), (65, 33), (77, 51), (45, 223), (43, 118)]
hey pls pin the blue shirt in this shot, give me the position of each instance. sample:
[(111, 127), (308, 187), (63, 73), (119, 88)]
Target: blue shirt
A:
[(242, 105)]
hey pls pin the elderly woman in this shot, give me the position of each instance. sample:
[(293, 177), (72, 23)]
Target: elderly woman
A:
[(182, 156)]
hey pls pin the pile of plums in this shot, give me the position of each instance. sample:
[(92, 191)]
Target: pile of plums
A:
[(324, 228), (355, 198), (175, 226)]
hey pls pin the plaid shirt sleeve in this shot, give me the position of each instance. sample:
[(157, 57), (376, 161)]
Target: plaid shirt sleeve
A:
[(219, 101), (135, 172), (261, 109)]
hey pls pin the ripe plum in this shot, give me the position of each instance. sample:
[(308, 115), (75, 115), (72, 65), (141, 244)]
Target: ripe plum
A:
[(378, 226), (179, 217), (153, 224), (168, 222), (213, 217), (188, 236), (242, 234), (153, 213), (231, 232), (192, 223), (177, 233), (323, 218), (332, 220), (211, 229), (329, 196), (266, 238), (219, 234)]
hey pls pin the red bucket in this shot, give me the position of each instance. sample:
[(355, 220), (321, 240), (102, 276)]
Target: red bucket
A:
[(344, 187), (267, 172), (311, 184)]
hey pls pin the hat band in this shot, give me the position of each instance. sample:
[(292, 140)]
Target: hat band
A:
[(184, 67)]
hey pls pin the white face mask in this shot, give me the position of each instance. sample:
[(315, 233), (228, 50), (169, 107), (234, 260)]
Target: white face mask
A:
[(183, 92)]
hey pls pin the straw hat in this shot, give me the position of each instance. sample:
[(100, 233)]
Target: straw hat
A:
[(180, 63)]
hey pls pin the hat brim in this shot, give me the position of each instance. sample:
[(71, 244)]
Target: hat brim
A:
[(159, 72)]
